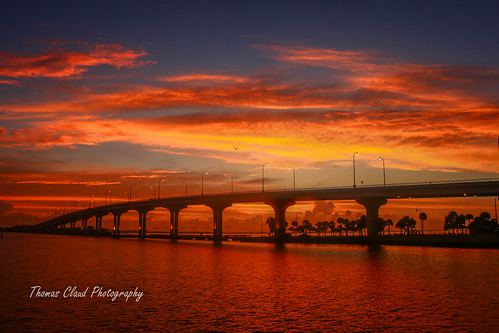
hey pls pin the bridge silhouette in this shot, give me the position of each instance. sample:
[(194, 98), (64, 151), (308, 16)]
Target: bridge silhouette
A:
[(371, 197)]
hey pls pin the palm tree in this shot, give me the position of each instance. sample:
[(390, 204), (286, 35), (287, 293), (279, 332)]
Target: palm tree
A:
[(294, 225), (389, 223), (331, 226), (450, 221), (271, 222), (454, 221), (307, 226), (340, 221), (406, 223), (322, 227), (422, 217), (380, 225), (468, 217), (348, 225), (362, 224), (483, 224)]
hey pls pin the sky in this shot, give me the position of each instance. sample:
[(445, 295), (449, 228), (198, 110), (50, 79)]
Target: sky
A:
[(100, 98)]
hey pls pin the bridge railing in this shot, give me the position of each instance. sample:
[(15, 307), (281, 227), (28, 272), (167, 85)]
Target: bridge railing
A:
[(145, 201)]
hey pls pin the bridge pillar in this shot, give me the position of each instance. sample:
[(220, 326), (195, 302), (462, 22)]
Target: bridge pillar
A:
[(98, 221), (280, 207), (84, 223), (218, 209), (116, 221), (174, 213), (372, 206), (142, 221)]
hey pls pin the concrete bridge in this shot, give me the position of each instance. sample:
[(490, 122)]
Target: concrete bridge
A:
[(372, 198)]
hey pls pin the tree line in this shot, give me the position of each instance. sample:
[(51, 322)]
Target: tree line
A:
[(454, 223), (482, 224)]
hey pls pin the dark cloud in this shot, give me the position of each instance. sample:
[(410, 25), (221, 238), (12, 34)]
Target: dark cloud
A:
[(322, 211), (5, 207)]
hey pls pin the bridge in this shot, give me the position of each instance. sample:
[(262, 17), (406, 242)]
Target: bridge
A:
[(371, 197)]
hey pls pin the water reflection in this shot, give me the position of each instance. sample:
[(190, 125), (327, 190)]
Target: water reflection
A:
[(231, 286)]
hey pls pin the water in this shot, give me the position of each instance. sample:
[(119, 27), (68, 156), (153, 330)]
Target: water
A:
[(245, 287)]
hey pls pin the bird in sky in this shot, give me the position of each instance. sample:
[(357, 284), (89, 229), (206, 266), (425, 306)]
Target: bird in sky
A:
[(235, 148)]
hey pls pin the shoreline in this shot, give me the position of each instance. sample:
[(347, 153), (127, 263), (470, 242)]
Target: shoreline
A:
[(484, 241)]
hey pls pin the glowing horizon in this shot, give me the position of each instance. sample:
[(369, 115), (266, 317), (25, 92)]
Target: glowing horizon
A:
[(83, 114)]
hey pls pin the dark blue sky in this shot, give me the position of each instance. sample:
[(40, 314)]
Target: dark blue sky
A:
[(461, 32)]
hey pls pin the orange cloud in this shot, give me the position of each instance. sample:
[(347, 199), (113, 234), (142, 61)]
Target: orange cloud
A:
[(355, 61), (203, 78), (62, 63), (426, 114)]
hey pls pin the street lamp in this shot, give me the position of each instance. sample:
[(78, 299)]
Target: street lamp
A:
[(294, 178), (202, 182), (384, 174), (130, 193), (90, 200), (263, 175), (105, 200), (159, 187), (354, 154), (154, 189)]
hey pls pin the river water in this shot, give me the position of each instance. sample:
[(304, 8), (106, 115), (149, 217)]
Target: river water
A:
[(198, 286)]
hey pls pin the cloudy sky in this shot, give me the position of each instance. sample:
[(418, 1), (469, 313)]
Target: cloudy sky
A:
[(101, 96)]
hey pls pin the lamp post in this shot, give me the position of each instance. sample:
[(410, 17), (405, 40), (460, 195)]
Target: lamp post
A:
[(354, 154), (90, 200), (263, 176), (105, 200), (159, 187), (384, 174), (294, 178), (130, 193), (202, 182), (154, 189)]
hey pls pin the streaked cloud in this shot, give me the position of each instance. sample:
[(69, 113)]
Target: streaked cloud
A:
[(67, 61), (419, 117), (203, 78)]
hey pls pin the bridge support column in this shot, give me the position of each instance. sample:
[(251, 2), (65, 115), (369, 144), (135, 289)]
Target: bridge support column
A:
[(174, 213), (116, 225), (84, 223), (98, 221), (218, 209), (280, 207), (142, 222), (116, 221), (372, 206)]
